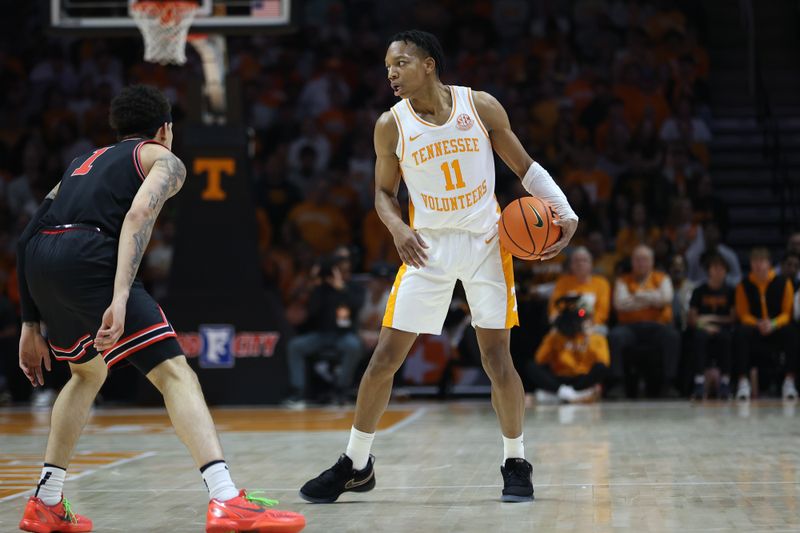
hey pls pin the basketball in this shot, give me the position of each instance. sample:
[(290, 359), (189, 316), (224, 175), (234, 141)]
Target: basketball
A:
[(526, 227)]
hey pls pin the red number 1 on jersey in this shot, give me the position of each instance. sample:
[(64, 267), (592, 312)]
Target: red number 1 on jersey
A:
[(87, 165)]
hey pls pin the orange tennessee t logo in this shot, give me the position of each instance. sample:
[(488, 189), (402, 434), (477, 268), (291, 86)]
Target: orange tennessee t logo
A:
[(214, 166)]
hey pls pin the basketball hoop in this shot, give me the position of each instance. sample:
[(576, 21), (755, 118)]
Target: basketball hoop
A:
[(164, 26)]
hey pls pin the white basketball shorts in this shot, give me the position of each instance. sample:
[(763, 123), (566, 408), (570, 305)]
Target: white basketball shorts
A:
[(420, 298)]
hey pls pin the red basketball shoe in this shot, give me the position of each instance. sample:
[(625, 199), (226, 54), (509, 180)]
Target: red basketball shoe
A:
[(41, 518), (246, 512)]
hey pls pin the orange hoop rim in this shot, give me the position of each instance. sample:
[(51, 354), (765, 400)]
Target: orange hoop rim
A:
[(153, 4), (166, 12)]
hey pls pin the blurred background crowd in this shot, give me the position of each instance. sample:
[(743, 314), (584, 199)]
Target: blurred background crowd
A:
[(611, 96)]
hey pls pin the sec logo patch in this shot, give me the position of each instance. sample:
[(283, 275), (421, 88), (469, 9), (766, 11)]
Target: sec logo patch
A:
[(464, 122)]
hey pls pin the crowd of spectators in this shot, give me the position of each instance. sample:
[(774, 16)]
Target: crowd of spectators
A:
[(610, 95)]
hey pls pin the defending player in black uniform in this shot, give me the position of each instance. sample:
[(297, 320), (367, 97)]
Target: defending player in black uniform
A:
[(77, 264)]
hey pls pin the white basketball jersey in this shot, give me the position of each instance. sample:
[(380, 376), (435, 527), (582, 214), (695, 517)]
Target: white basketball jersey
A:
[(448, 169)]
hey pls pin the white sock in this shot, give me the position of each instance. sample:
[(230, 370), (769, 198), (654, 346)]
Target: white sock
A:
[(358, 448), (513, 448), (51, 484), (218, 481)]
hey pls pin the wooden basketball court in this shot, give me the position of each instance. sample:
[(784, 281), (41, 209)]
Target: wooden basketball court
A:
[(609, 467)]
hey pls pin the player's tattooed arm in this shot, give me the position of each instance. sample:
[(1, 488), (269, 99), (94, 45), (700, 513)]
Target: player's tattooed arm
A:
[(164, 179)]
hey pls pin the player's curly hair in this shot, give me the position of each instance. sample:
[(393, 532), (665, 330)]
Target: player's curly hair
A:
[(139, 110), (425, 41)]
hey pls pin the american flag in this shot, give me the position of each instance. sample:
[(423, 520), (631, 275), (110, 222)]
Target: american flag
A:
[(265, 8)]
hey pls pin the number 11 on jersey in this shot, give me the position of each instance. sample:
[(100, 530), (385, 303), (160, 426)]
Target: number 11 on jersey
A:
[(448, 178)]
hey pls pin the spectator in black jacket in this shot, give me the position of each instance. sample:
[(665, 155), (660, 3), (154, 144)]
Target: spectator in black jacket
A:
[(330, 332), (764, 302)]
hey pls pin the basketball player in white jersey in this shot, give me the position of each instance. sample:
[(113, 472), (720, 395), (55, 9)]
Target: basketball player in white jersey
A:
[(439, 139)]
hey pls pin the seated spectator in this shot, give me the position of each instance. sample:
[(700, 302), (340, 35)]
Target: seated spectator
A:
[(595, 292), (311, 137), (790, 268), (305, 173), (330, 323), (643, 302), (688, 129), (711, 317), (793, 243), (275, 192), (680, 170), (317, 223), (709, 242), (681, 230), (682, 289), (640, 231), (356, 292), (764, 309), (571, 362), (605, 262)]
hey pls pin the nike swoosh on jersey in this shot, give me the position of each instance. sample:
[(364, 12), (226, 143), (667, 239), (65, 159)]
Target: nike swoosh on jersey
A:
[(415, 137), (353, 483), (539, 221)]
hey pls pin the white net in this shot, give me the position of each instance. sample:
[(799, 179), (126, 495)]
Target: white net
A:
[(164, 26)]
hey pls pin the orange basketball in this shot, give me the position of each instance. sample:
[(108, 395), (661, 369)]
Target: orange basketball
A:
[(526, 227)]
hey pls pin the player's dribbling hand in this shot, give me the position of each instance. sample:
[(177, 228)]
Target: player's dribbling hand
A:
[(568, 227), (112, 326), (33, 354), (411, 247)]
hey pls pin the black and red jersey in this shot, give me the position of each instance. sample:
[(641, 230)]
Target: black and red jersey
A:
[(98, 187)]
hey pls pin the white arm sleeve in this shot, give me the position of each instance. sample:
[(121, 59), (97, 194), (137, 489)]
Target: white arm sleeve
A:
[(538, 182)]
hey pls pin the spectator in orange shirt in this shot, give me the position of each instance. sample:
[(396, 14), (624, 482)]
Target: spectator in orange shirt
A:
[(317, 223), (571, 362), (643, 302), (764, 309), (594, 290)]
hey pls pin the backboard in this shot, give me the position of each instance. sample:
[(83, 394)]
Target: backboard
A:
[(213, 16)]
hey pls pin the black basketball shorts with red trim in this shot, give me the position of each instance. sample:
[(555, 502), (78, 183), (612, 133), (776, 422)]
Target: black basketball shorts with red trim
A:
[(70, 275)]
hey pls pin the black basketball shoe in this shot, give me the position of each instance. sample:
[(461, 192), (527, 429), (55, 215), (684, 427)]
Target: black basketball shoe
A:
[(329, 485), (517, 484)]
